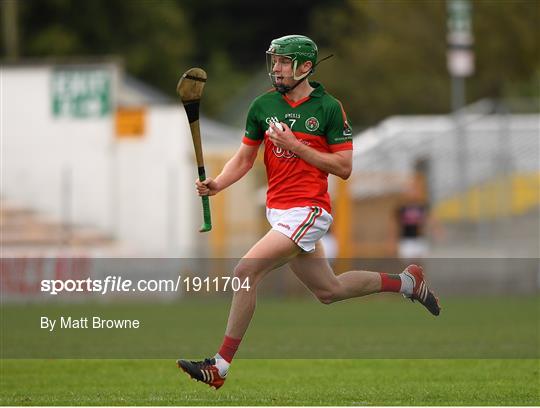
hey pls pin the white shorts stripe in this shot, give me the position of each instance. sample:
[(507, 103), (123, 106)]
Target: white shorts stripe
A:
[(303, 231), (303, 225)]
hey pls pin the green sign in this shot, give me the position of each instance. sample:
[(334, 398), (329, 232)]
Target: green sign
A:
[(81, 93), (459, 16)]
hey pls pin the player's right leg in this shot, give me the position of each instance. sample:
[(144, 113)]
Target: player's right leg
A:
[(317, 275), (272, 251)]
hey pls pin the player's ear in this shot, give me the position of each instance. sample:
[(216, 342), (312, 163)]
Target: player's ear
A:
[(303, 68)]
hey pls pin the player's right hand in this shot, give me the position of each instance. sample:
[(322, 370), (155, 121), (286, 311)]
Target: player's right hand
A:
[(207, 187)]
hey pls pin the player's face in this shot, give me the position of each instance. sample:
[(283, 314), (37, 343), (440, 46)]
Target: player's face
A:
[(282, 68)]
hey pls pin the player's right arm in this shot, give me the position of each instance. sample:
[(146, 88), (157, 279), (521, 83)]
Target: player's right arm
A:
[(242, 161), (234, 170)]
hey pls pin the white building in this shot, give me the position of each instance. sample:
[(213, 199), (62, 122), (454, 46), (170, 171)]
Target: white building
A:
[(86, 145)]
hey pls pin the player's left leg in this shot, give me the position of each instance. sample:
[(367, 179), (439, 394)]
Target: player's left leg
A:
[(270, 252), (315, 272)]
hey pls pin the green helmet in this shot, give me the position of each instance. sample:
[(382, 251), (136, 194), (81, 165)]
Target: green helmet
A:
[(298, 48)]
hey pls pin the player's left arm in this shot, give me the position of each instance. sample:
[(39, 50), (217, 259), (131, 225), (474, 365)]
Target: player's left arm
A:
[(338, 163)]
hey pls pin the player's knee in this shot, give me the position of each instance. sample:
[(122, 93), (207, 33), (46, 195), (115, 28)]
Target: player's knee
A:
[(326, 297), (244, 271), (330, 294)]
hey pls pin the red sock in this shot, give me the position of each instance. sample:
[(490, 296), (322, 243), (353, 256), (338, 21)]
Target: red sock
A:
[(228, 348), (390, 283)]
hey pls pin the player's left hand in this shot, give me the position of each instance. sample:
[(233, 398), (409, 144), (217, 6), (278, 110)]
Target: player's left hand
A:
[(284, 139)]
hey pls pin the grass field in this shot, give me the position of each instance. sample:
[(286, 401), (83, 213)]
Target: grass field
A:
[(383, 326), (377, 351), (273, 382)]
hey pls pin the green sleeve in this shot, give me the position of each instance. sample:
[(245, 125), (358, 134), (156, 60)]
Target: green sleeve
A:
[(338, 129), (254, 131)]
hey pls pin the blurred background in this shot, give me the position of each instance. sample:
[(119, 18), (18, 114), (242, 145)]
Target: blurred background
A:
[(443, 97)]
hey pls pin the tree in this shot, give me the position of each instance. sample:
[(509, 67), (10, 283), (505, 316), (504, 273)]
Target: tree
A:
[(153, 37), (391, 54)]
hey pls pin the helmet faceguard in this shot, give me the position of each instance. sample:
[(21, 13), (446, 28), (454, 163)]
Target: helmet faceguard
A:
[(296, 48)]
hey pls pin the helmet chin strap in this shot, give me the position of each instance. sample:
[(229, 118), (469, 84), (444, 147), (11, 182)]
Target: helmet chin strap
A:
[(301, 76)]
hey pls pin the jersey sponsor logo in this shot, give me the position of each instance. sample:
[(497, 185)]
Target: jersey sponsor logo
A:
[(287, 154), (312, 124), (284, 225), (282, 153)]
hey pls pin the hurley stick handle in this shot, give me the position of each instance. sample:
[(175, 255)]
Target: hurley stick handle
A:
[(190, 89), (207, 218)]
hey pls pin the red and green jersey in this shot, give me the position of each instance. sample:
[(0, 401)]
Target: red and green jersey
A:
[(318, 121)]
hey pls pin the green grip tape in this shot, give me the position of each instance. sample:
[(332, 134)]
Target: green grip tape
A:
[(207, 217), (207, 224)]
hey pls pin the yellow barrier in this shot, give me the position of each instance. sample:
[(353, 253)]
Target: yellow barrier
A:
[(507, 196)]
